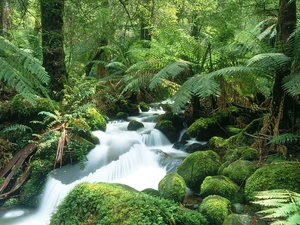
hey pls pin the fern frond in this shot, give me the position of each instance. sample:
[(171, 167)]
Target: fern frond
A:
[(22, 71), (284, 138), (291, 84), (171, 70), (182, 96), (284, 206), (270, 61), (16, 127)]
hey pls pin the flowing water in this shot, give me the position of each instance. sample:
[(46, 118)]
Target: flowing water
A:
[(136, 158)]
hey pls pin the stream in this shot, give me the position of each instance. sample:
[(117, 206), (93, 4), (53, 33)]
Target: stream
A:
[(139, 159)]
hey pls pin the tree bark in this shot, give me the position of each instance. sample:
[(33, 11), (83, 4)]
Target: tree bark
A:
[(275, 119), (53, 45)]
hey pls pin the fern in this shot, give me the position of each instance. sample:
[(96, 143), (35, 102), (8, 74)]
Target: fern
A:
[(16, 127), (22, 71), (291, 84), (171, 70), (283, 138), (283, 205)]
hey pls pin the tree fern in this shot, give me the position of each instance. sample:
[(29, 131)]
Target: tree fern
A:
[(283, 205), (291, 84), (171, 70), (22, 71), (284, 138)]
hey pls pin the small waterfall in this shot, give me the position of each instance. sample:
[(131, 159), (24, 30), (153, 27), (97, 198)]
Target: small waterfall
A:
[(122, 157)]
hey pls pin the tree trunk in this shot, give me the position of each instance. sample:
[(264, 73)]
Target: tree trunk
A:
[(52, 44), (5, 20), (275, 119)]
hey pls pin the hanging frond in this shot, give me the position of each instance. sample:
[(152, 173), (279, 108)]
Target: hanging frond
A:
[(285, 206), (284, 138), (182, 96), (270, 61), (22, 71), (171, 70), (291, 84), (16, 127)]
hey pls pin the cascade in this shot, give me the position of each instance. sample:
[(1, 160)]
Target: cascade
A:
[(133, 158)]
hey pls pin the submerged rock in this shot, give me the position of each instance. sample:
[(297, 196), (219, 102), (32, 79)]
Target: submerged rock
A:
[(134, 125)]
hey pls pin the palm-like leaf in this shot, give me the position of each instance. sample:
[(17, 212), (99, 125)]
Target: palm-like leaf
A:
[(22, 71), (285, 206), (291, 84), (171, 70)]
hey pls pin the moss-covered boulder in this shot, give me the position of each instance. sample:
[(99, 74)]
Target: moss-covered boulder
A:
[(177, 120), (196, 166), (122, 115), (104, 203), (223, 186), (95, 120), (205, 128), (134, 125), (34, 186), (215, 209), (241, 152), (167, 128), (144, 107), (278, 175), (249, 153), (239, 171), (172, 187)]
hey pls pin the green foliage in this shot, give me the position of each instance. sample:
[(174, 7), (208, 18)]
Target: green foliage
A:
[(23, 72), (104, 203), (284, 138), (172, 187), (291, 84), (95, 120), (282, 205)]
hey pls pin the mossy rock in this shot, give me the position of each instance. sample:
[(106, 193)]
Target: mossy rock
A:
[(196, 166), (241, 152), (223, 186), (242, 219), (278, 175), (205, 128), (151, 191), (106, 203), (215, 209), (144, 107), (177, 120), (11, 202), (122, 116), (239, 171), (134, 125), (167, 128), (34, 186), (172, 187), (95, 120), (23, 108)]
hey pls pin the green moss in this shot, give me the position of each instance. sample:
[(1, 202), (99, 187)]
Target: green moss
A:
[(95, 120), (221, 185), (203, 124), (280, 175), (144, 107), (104, 203), (134, 125), (231, 130), (166, 127), (122, 115), (249, 153), (21, 107), (215, 209), (239, 171), (196, 166), (172, 187), (34, 186)]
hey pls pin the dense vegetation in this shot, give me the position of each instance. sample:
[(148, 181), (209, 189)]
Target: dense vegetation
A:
[(230, 67)]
